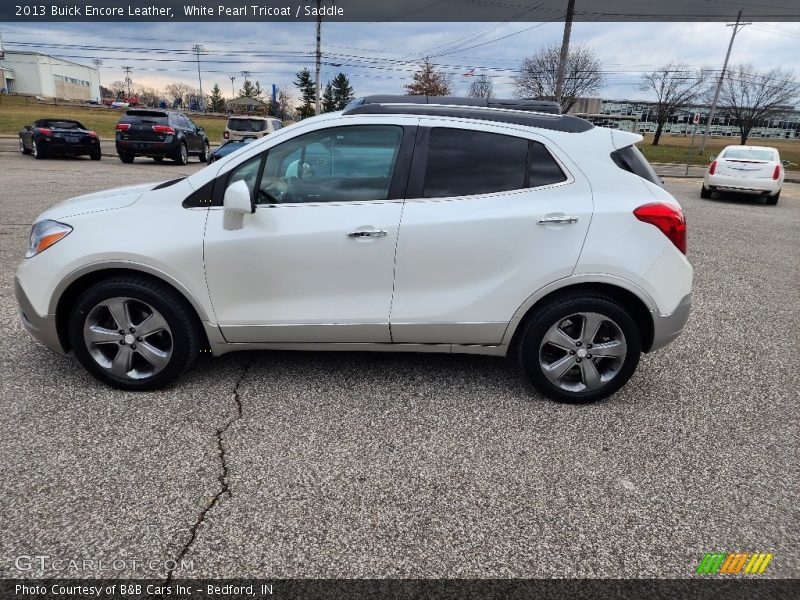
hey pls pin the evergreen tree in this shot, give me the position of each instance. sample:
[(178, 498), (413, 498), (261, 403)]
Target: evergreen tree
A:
[(216, 103), (248, 89), (342, 91), (305, 83), (427, 81), (328, 103)]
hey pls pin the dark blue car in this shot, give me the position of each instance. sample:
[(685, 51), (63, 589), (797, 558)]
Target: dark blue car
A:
[(227, 148)]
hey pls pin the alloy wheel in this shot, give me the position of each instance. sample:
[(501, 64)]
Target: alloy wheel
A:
[(128, 337), (582, 352)]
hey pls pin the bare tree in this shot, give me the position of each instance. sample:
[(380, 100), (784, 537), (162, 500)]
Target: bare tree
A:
[(481, 87), (675, 86), (538, 75), (428, 81), (180, 91), (752, 96)]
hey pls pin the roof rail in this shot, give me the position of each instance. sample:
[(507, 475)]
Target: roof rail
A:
[(419, 105), (545, 106)]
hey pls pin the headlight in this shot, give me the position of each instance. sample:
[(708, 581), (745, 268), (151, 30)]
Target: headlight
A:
[(44, 234)]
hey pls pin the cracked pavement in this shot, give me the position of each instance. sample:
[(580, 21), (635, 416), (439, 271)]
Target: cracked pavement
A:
[(279, 464)]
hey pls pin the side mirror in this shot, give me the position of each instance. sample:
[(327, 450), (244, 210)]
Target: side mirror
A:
[(28, 128), (785, 164), (711, 159), (238, 200)]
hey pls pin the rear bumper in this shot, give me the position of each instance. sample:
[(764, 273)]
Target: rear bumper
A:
[(743, 185), (41, 328), (667, 327), (56, 147), (147, 148)]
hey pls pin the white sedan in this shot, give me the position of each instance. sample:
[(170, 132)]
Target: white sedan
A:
[(745, 169)]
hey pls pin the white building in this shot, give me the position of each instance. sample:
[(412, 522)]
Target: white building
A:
[(43, 75)]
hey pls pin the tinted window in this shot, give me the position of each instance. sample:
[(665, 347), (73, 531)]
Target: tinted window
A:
[(749, 154), (464, 163), (343, 164), (146, 118), (632, 160), (249, 125), (544, 169), (277, 125)]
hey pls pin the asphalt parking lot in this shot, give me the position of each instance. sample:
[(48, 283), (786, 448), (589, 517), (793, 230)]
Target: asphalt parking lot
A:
[(374, 465)]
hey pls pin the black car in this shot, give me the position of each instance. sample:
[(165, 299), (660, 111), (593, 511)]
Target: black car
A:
[(227, 148), (50, 137), (160, 134)]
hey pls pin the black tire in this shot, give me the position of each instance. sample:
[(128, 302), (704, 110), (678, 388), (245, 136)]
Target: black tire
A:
[(95, 155), (38, 153), (126, 158), (531, 347), (22, 147), (772, 199), (705, 193), (181, 154), (185, 334), (206, 151), (158, 159)]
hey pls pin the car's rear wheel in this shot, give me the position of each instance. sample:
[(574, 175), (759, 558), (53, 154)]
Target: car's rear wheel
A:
[(133, 333), (182, 155), (705, 192), (95, 155), (126, 158), (772, 199), (205, 153), (580, 347), (38, 152), (22, 147)]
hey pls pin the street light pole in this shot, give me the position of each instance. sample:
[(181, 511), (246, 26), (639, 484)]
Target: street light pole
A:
[(319, 52), (233, 93), (736, 27)]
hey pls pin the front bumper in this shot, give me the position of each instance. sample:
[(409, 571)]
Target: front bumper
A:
[(43, 329), (667, 327)]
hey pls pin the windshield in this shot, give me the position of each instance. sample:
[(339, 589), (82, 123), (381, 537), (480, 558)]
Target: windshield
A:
[(254, 125), (749, 154)]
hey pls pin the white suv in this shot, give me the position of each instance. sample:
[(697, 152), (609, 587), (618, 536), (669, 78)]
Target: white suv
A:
[(390, 226)]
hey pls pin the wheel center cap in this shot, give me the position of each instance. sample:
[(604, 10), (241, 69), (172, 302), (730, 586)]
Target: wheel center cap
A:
[(129, 339), (582, 353)]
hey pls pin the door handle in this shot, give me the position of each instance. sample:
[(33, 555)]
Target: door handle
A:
[(557, 220), (363, 234)]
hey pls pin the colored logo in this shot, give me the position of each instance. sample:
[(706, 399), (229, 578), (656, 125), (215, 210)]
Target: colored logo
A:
[(751, 563)]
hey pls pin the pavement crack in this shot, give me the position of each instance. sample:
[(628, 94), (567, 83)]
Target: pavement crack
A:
[(222, 478)]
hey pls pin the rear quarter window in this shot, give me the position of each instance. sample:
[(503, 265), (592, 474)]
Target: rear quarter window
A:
[(631, 159)]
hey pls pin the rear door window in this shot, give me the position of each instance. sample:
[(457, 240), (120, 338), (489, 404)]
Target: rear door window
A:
[(466, 163)]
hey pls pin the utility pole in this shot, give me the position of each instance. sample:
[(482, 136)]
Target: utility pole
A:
[(128, 79), (736, 27), (233, 93), (245, 74), (198, 49), (562, 61), (319, 52), (98, 62)]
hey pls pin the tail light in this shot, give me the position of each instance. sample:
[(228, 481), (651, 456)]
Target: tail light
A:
[(712, 168), (163, 129), (777, 172), (92, 134), (45, 131), (226, 134), (123, 126), (669, 219)]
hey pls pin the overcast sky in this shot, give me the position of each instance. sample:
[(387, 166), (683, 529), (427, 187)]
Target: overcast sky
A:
[(379, 57)]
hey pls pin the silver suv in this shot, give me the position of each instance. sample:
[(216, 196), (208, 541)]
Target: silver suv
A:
[(254, 127)]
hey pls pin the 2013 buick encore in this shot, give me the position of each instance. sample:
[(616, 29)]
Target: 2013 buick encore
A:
[(401, 224)]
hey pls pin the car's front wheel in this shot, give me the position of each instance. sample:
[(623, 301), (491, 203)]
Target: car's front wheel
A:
[(580, 347), (22, 147), (134, 333), (38, 152)]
